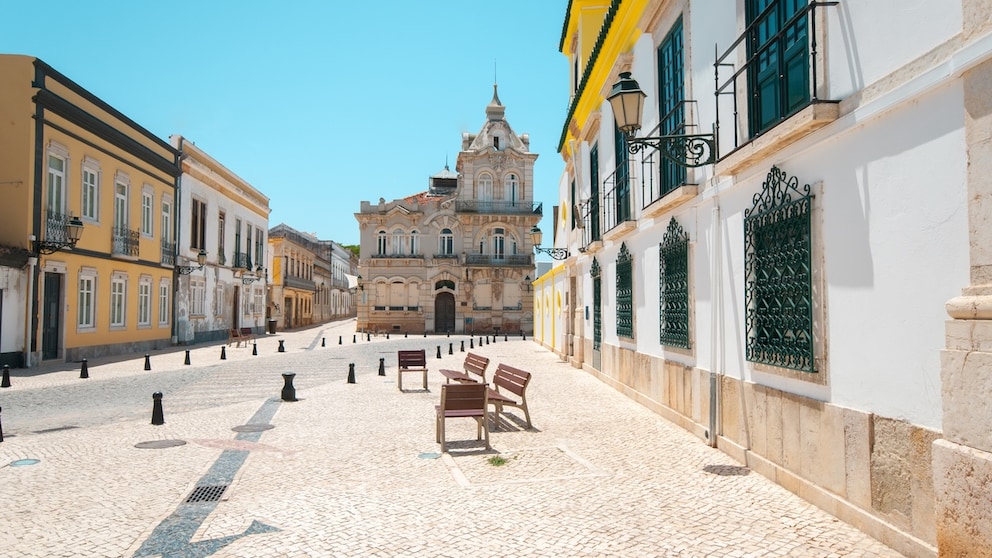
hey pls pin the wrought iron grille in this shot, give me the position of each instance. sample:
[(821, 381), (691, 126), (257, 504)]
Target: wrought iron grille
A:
[(674, 286), (242, 260), (168, 253), (616, 200), (597, 305), (125, 241), (56, 227), (625, 293), (777, 277)]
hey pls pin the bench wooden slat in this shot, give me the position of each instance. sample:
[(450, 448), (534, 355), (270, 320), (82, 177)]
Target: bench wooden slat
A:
[(474, 364), (411, 361), (514, 381), (462, 401)]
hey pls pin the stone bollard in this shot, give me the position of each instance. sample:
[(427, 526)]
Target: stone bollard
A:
[(84, 370), (158, 417), (254, 349), (462, 350), (323, 341), (6, 376), (451, 348), (288, 391), (148, 363), (439, 351), (186, 362), (382, 367), (223, 352), (351, 373), (282, 348)]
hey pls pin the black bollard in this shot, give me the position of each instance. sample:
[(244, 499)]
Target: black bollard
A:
[(1, 427), (254, 349), (186, 362), (148, 363), (288, 391), (451, 348), (404, 335), (282, 348), (158, 417), (449, 333), (323, 341), (223, 352), (382, 367), (439, 351), (480, 342), (471, 343), (487, 340), (6, 376), (504, 337), (425, 334), (339, 339), (351, 373), (525, 337), (84, 370), (462, 350), (354, 339), (368, 336)]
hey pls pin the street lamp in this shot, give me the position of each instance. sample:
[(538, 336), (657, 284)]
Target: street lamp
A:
[(249, 279), (73, 229), (201, 259), (687, 150), (556, 253)]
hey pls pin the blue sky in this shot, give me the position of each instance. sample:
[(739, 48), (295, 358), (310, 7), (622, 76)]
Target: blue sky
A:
[(318, 104)]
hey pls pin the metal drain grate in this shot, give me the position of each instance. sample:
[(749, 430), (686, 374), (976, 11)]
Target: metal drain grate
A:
[(206, 493)]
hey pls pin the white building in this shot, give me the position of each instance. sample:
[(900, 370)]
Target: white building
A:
[(786, 301), (227, 219)]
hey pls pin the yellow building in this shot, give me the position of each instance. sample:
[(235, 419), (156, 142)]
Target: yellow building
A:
[(68, 158), (294, 254)]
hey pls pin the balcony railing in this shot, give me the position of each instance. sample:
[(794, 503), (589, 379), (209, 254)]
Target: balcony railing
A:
[(397, 256), (242, 260), (616, 200), (125, 242), (168, 253), (498, 207), (56, 230), (487, 260)]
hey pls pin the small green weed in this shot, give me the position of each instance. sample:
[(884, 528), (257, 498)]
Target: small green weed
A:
[(497, 460)]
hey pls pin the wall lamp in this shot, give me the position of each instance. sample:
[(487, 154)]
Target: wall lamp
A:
[(627, 100), (201, 259), (361, 286), (60, 238), (249, 279), (555, 253)]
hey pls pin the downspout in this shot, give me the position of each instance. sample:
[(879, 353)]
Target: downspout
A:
[(175, 243), (32, 262), (716, 331), (39, 147)]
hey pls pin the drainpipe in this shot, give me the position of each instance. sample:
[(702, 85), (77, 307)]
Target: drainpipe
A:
[(716, 329), (175, 243), (32, 262)]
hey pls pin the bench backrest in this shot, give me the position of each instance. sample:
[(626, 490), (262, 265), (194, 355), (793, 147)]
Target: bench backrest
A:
[(412, 359), (476, 364), (512, 379), (463, 397), (247, 331)]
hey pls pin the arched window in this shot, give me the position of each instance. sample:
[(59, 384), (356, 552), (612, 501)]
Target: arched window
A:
[(446, 242), (381, 246), (499, 243), (484, 190), (510, 190), (413, 242), (397, 242)]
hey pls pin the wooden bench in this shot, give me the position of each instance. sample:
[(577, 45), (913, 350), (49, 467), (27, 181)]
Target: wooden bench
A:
[(411, 361), (239, 336), (510, 390), (474, 364), (462, 401)]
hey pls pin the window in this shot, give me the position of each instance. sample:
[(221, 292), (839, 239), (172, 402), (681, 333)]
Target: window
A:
[(778, 278), (512, 185), (198, 234), (145, 301), (594, 193), (56, 183), (597, 305), (381, 245), (397, 242), (259, 243), (86, 311), (163, 302), (673, 278), (778, 45), (413, 242), (499, 244), (221, 218), (118, 300), (621, 192), (197, 296), (625, 293), (120, 206), (166, 220), (484, 193), (147, 197), (671, 104), (219, 300), (257, 301), (446, 242), (248, 264), (91, 190), (239, 258)]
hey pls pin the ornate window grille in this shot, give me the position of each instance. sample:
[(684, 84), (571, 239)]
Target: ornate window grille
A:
[(778, 277), (597, 305), (673, 274), (625, 293)]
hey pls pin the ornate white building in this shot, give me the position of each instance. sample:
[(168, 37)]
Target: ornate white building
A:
[(458, 257)]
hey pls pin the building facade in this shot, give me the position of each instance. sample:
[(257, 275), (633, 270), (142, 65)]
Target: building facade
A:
[(458, 257), (770, 257), (89, 198), (226, 219)]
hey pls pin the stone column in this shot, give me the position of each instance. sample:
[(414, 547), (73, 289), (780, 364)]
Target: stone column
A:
[(962, 461)]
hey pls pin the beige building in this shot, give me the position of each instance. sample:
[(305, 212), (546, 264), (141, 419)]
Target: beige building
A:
[(458, 257)]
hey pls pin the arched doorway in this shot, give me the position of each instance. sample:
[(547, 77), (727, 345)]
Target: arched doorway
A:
[(444, 313)]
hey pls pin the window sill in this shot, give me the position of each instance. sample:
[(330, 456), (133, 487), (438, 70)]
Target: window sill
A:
[(671, 200), (803, 123), (620, 230)]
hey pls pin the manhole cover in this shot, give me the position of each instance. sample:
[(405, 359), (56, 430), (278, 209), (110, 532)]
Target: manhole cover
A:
[(160, 444), (206, 493), (429, 455), (253, 427), (24, 462), (727, 470)]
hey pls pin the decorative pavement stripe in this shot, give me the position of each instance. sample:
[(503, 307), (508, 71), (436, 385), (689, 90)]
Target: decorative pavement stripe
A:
[(172, 537), (316, 339)]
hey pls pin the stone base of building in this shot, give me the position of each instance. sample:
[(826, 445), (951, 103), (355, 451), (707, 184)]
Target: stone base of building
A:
[(963, 490), (116, 349)]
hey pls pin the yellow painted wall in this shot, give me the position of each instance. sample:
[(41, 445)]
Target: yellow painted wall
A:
[(16, 153)]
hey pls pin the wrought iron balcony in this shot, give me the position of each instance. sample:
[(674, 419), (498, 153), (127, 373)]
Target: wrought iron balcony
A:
[(488, 260), (242, 260), (498, 207), (616, 201), (168, 253), (125, 242), (61, 232)]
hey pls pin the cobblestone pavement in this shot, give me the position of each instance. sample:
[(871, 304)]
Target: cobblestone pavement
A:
[(352, 469)]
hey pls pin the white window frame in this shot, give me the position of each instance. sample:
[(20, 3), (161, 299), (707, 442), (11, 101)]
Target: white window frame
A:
[(57, 185), (381, 243), (413, 242), (166, 225), (219, 300), (197, 296), (118, 300), (145, 301), (499, 243), (258, 302), (147, 202), (86, 300), (164, 288), (121, 187), (397, 243), (446, 241), (90, 190)]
